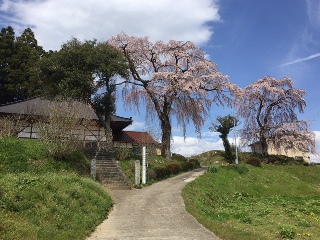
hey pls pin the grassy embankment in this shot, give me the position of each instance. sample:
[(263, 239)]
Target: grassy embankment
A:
[(267, 202), (42, 198)]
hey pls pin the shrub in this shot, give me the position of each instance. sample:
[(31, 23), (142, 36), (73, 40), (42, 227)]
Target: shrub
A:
[(254, 161), (173, 167), (122, 152), (287, 232), (187, 166), (152, 174), (161, 172), (195, 163), (281, 160), (213, 169)]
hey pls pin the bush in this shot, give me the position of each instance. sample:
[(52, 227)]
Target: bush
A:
[(152, 174), (186, 166), (122, 152), (281, 160), (213, 169), (173, 167), (287, 232), (162, 172), (254, 161), (195, 163)]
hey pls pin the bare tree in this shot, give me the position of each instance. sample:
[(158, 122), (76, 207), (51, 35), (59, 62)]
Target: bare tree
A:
[(172, 79), (8, 127), (268, 107), (62, 132)]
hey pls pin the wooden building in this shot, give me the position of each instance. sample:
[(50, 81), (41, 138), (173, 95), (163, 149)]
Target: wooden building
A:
[(26, 115)]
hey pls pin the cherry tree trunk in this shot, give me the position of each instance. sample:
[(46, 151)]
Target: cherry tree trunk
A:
[(166, 137), (264, 146)]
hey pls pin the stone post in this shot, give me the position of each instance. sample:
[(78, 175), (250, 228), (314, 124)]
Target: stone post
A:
[(137, 172), (93, 169)]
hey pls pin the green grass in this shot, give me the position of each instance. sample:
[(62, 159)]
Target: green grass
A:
[(41, 198), (217, 157), (269, 202)]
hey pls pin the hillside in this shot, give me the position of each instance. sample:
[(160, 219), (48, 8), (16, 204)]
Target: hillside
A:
[(214, 157), (43, 198), (267, 202)]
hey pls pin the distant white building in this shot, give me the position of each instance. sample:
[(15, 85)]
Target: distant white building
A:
[(296, 154)]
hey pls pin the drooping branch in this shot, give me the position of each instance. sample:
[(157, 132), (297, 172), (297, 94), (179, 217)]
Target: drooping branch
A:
[(173, 79), (268, 105)]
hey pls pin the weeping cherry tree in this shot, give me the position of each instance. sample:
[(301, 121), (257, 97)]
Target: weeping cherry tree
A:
[(172, 79)]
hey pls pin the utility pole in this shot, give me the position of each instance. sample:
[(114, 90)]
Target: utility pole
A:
[(235, 140)]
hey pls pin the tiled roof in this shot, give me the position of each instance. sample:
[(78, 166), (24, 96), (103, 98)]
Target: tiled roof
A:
[(134, 137), (39, 106)]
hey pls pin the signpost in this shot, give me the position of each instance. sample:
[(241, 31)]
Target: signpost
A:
[(144, 165)]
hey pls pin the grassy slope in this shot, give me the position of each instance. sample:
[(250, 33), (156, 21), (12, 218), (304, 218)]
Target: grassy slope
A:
[(41, 198), (215, 157), (270, 202)]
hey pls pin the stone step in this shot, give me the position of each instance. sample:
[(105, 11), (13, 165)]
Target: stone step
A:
[(108, 172)]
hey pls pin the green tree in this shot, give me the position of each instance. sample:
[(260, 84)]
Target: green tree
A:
[(110, 64), (85, 71), (26, 71), (223, 125), (19, 73), (7, 48)]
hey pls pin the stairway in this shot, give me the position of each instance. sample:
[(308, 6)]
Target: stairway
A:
[(108, 173)]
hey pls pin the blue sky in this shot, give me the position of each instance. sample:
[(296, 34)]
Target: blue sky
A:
[(248, 39)]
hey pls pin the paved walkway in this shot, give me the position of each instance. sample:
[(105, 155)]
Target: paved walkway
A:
[(156, 212)]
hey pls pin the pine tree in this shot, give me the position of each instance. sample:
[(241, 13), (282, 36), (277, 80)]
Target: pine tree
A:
[(19, 59), (7, 49)]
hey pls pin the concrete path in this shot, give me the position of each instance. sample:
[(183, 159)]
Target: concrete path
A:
[(154, 212)]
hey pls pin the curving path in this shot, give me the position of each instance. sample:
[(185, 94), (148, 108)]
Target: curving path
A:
[(154, 212)]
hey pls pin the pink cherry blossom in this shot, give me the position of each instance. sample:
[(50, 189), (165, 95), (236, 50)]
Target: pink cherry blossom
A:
[(172, 79), (268, 107)]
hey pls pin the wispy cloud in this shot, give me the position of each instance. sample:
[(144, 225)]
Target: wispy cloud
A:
[(299, 60)]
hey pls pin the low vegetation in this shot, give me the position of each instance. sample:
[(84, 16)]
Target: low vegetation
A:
[(248, 202), (43, 198), (217, 157), (261, 198), (158, 167)]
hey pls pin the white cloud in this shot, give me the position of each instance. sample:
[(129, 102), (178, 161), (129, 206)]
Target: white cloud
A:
[(136, 126), (313, 7), (317, 157), (299, 60), (194, 146), (56, 21), (210, 134)]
